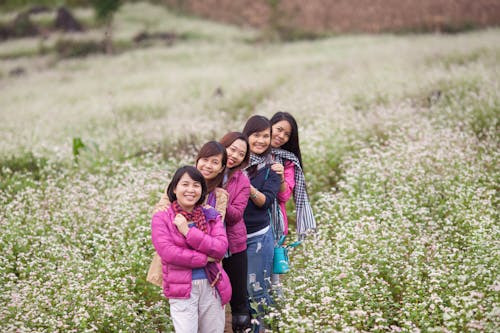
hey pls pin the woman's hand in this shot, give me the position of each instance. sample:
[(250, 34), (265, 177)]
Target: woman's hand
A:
[(210, 259), (182, 224), (279, 169)]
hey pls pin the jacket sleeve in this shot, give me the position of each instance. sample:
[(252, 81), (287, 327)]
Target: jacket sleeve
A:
[(164, 203), (238, 199), (221, 201), (213, 244), (270, 188), (162, 229), (289, 177)]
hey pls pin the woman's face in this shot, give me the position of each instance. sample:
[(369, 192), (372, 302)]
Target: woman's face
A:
[(236, 153), (259, 141), (188, 192), (210, 166), (281, 133)]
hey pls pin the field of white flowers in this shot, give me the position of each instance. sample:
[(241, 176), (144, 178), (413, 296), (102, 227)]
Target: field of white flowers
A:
[(400, 138)]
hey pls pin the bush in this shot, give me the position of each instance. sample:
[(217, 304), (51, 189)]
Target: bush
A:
[(68, 48)]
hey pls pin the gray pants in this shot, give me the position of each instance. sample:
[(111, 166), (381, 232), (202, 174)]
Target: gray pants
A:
[(200, 313)]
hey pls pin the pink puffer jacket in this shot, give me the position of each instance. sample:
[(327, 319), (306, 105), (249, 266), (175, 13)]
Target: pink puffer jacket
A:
[(179, 254), (238, 188)]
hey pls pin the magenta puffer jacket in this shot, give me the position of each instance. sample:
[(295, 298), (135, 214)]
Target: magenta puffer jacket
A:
[(238, 188), (179, 254)]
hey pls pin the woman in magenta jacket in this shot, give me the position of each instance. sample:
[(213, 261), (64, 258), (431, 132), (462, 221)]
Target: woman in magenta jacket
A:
[(237, 185), (191, 241), (286, 152)]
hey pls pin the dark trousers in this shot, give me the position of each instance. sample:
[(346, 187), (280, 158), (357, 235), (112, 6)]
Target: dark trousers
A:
[(236, 268)]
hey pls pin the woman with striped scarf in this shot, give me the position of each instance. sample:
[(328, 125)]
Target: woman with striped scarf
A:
[(286, 152)]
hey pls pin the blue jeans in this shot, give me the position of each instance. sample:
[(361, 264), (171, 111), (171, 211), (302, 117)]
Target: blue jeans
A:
[(260, 251)]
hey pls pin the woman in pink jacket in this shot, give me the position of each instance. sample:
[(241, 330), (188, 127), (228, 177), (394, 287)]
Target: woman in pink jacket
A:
[(286, 152), (191, 241), (237, 185)]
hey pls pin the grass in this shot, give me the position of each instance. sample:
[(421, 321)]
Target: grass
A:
[(399, 135)]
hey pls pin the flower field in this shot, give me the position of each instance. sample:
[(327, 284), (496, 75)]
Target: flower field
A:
[(400, 140)]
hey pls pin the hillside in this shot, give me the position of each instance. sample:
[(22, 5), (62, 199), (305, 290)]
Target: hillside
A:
[(341, 16)]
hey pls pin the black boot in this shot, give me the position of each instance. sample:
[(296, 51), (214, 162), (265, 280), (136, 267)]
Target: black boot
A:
[(241, 322)]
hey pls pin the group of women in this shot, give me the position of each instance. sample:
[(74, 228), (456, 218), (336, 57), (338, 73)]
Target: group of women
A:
[(214, 230)]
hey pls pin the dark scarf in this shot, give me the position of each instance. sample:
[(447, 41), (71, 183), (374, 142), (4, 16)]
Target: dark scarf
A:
[(195, 216), (305, 218)]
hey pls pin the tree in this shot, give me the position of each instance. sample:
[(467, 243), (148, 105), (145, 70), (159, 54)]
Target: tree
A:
[(105, 10)]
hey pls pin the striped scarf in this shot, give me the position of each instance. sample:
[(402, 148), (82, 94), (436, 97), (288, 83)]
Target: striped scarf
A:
[(197, 216), (258, 160), (305, 218)]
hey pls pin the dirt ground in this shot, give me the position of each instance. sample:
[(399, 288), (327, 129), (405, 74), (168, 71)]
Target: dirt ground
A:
[(350, 15)]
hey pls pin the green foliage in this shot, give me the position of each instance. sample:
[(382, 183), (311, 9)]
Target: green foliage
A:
[(141, 112), (23, 26), (324, 168), (23, 53), (21, 171), (470, 104), (105, 9), (23, 163), (282, 28), (70, 48), (242, 106), (77, 146), (17, 4), (451, 60), (184, 146)]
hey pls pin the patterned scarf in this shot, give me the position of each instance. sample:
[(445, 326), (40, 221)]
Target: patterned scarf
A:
[(305, 217), (195, 216), (258, 160)]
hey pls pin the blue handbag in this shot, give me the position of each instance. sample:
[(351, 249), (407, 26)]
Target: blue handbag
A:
[(280, 260), (281, 263)]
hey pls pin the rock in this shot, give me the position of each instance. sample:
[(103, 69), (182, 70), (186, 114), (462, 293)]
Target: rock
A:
[(65, 21), (18, 71)]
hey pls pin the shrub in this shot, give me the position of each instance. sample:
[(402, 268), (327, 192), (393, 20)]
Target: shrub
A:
[(68, 48)]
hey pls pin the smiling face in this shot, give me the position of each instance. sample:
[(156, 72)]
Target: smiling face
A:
[(281, 133), (236, 153), (188, 192), (260, 141), (210, 166)]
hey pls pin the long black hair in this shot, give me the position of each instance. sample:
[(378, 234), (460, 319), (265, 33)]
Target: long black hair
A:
[(293, 142)]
